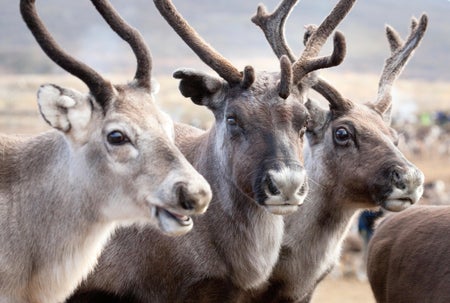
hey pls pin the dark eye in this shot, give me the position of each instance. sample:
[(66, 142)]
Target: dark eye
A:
[(231, 120), (341, 135), (117, 138)]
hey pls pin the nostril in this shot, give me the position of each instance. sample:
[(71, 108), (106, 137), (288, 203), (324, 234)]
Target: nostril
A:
[(302, 190), (397, 179), (271, 186), (184, 199)]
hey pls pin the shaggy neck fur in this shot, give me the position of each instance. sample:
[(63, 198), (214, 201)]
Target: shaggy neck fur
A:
[(246, 237), (313, 238), (234, 245), (57, 235)]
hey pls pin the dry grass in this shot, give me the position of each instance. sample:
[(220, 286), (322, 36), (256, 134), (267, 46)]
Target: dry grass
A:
[(19, 111), (345, 290)]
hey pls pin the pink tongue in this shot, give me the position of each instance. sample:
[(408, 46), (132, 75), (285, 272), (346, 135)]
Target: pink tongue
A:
[(181, 217)]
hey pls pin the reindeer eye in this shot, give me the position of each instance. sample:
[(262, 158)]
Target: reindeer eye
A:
[(231, 120), (117, 138), (341, 136)]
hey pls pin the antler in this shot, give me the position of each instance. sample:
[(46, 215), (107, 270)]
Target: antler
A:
[(134, 39), (273, 27), (100, 88), (203, 50), (401, 52)]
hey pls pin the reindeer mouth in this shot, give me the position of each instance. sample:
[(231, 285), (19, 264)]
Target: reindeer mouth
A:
[(179, 218), (171, 222), (398, 204), (282, 209)]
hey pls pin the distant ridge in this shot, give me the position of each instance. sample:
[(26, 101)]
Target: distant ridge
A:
[(226, 25)]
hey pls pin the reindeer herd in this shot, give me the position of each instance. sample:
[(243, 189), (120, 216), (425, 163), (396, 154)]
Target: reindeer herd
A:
[(120, 204)]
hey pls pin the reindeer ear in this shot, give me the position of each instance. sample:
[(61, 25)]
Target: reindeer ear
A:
[(319, 118), (64, 109), (198, 86)]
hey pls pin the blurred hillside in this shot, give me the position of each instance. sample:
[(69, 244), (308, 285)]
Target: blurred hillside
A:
[(226, 25)]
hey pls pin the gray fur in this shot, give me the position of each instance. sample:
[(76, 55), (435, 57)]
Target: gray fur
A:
[(235, 244), (110, 161), (408, 256)]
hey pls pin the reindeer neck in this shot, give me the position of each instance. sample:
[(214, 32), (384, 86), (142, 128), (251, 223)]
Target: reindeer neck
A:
[(239, 228), (314, 235), (60, 223)]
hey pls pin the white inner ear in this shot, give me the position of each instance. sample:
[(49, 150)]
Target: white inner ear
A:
[(64, 109)]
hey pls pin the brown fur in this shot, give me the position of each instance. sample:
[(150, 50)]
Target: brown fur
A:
[(220, 250), (251, 157), (364, 169), (409, 255)]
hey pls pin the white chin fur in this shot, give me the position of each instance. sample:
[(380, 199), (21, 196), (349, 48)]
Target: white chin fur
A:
[(281, 209), (172, 226), (396, 205)]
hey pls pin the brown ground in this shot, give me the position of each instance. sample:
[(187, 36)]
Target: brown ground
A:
[(343, 290)]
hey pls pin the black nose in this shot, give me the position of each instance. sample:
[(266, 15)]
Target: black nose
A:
[(397, 177), (273, 189), (184, 198)]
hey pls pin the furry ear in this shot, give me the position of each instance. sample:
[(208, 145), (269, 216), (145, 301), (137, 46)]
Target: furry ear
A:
[(64, 109), (319, 119), (198, 86)]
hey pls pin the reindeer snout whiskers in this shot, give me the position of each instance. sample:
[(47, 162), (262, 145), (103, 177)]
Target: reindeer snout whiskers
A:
[(407, 188), (286, 189), (192, 197)]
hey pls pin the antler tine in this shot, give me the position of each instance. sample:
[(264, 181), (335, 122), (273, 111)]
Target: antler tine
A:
[(134, 39), (273, 27), (203, 50), (100, 88), (338, 104), (394, 39), (305, 64), (285, 78), (398, 59), (318, 39)]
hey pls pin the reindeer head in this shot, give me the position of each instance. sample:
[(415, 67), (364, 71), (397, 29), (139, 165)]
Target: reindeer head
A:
[(121, 142), (357, 142), (353, 142), (259, 117)]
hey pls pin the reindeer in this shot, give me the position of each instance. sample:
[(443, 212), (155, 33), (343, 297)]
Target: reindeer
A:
[(111, 160), (352, 163), (409, 256), (251, 158)]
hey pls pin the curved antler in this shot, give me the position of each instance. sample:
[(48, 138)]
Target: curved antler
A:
[(203, 50), (338, 104), (134, 39), (100, 88), (401, 52), (308, 62), (273, 27), (285, 78)]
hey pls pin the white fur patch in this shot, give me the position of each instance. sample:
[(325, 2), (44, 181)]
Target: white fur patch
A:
[(55, 283), (291, 185), (64, 109), (51, 103)]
